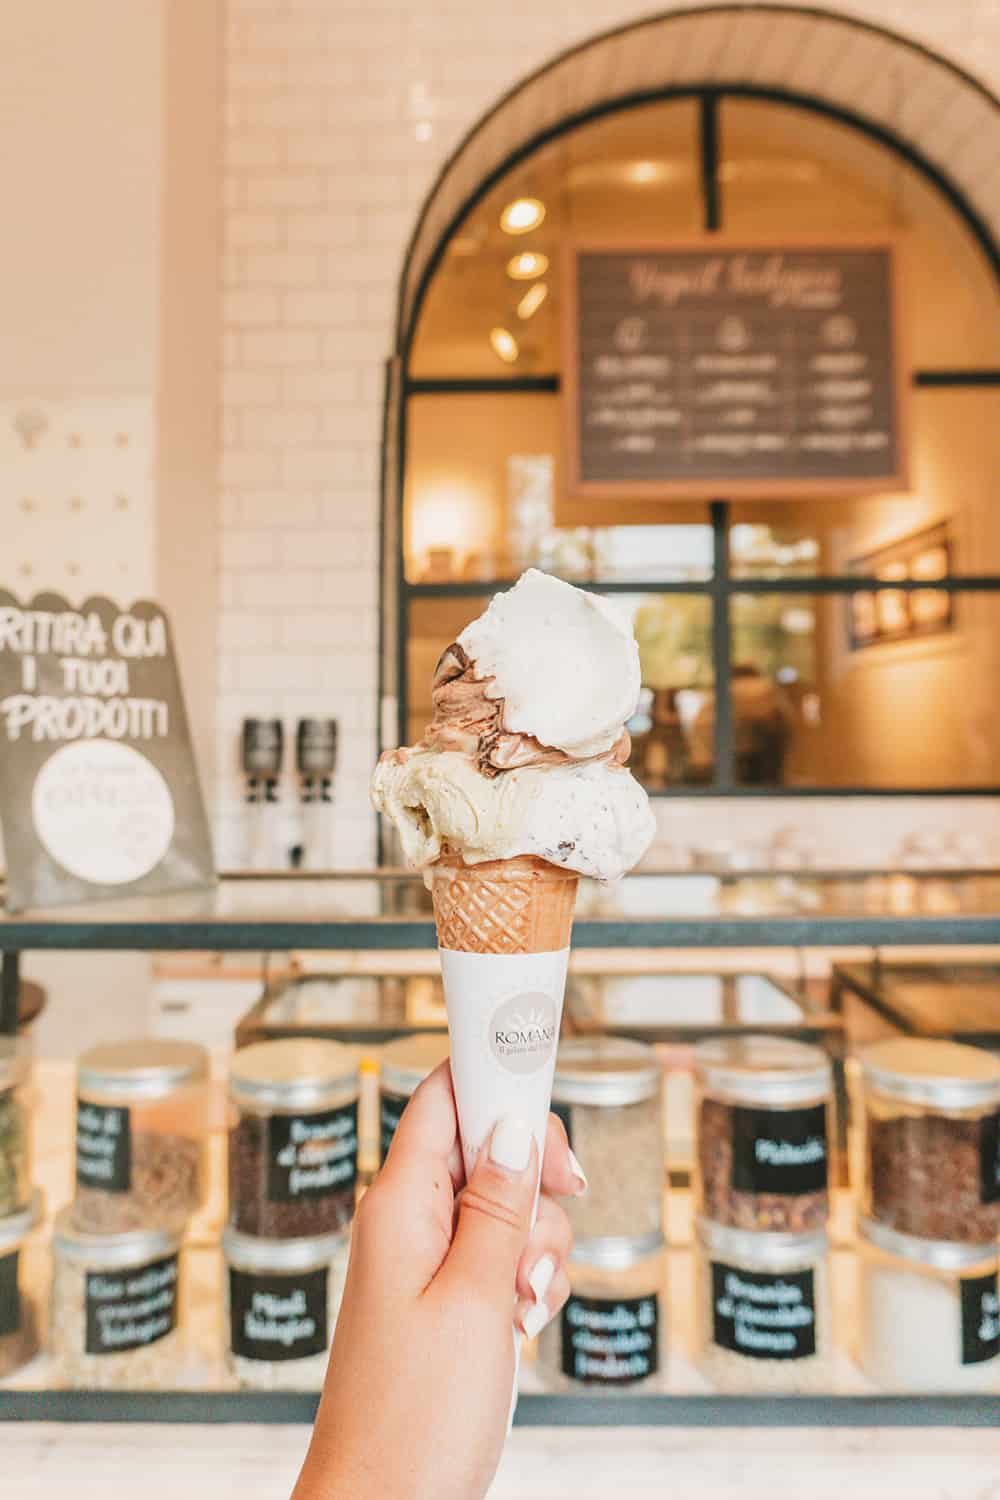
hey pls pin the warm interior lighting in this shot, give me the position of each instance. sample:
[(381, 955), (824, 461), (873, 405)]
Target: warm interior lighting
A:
[(504, 345), (528, 264), (532, 300), (643, 171), (521, 215)]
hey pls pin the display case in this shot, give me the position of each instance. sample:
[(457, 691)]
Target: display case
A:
[(626, 943)]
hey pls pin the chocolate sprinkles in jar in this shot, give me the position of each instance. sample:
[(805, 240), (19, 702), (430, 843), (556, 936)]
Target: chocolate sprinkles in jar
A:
[(763, 1124), (293, 1151), (931, 1151)]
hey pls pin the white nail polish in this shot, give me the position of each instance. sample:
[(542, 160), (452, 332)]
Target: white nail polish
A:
[(577, 1170), (541, 1276), (535, 1320), (510, 1145)]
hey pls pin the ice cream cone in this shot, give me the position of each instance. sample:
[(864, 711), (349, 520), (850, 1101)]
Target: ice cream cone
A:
[(521, 905)]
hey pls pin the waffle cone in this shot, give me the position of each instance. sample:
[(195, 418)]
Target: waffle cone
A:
[(522, 905)]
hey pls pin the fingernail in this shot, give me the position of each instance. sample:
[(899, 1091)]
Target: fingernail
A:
[(535, 1320), (577, 1171), (541, 1277), (510, 1146)]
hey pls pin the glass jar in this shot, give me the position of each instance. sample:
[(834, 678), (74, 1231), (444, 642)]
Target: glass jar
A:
[(607, 1092), (763, 1108), (293, 1151), (141, 1124), (406, 1062), (282, 1300), (15, 1127), (930, 1151), (763, 1303), (18, 1311), (115, 1319), (612, 1331), (929, 1313)]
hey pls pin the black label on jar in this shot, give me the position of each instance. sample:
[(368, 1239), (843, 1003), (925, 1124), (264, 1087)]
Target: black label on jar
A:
[(312, 1156), (130, 1309), (10, 1294), (391, 1108), (564, 1112), (103, 1147), (989, 1158), (779, 1150), (763, 1315), (611, 1340), (277, 1318), (980, 1319)]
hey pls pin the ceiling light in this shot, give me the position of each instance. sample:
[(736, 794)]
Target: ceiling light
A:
[(504, 345), (532, 300), (528, 264), (521, 215), (643, 171)]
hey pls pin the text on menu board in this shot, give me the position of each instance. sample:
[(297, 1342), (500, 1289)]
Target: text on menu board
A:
[(756, 368)]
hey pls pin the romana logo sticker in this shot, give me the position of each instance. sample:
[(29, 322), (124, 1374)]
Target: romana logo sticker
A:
[(523, 1032)]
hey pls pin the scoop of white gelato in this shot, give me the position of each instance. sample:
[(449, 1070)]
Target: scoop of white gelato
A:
[(592, 818), (564, 662)]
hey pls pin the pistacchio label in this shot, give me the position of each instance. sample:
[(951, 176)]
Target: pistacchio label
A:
[(523, 1032)]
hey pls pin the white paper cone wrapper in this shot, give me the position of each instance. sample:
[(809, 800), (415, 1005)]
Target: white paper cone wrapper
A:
[(504, 1012)]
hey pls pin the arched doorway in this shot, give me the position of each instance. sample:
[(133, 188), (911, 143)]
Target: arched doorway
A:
[(732, 120)]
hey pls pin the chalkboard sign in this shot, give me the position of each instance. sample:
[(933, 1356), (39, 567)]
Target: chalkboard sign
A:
[(99, 795), (699, 370)]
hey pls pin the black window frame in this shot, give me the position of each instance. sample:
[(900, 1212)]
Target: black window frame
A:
[(723, 584)]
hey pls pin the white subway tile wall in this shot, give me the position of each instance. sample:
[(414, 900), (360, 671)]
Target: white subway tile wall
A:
[(338, 115)]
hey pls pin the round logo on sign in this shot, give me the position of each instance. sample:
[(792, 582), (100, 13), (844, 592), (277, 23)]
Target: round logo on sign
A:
[(523, 1032), (103, 812)]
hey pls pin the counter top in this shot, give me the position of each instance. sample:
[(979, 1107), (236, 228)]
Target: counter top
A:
[(389, 910)]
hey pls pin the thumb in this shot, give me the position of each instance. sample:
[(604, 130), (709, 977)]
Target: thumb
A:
[(495, 1211)]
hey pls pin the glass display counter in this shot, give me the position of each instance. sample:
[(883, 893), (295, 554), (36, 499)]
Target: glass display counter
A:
[(625, 939)]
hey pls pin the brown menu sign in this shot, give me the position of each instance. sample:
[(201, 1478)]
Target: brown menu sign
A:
[(99, 794), (746, 370)]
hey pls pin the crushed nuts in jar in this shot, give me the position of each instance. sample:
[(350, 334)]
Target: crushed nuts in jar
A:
[(762, 1129), (115, 1321), (406, 1062), (293, 1152), (15, 1121), (18, 1313), (140, 1135), (763, 1310), (612, 1330), (931, 1148), (606, 1091), (282, 1301)]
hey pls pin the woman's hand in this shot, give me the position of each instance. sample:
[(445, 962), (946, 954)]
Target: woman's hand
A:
[(418, 1389)]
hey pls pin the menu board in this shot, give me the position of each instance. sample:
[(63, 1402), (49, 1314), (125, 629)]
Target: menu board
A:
[(704, 371), (99, 794)]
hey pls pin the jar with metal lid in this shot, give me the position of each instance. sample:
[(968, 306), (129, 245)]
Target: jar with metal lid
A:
[(282, 1300), (141, 1127), (18, 1311), (607, 1092), (115, 1321), (763, 1303), (293, 1150), (929, 1313), (763, 1112), (612, 1331), (930, 1148), (406, 1062), (15, 1126)]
